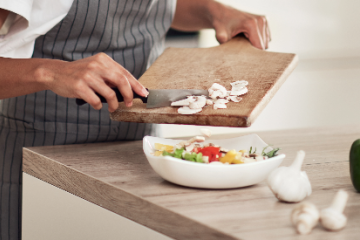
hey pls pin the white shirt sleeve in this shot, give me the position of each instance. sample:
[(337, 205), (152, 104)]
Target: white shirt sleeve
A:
[(34, 18), (7, 23), (20, 7), (19, 10)]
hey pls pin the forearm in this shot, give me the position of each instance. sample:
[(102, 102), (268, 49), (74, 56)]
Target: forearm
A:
[(78, 79), (21, 76), (194, 15)]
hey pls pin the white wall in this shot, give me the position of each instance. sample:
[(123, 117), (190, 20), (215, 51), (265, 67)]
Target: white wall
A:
[(323, 89)]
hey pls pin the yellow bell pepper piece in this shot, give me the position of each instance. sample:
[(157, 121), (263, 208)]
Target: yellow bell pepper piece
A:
[(236, 161), (163, 147), (238, 158), (229, 157), (158, 153)]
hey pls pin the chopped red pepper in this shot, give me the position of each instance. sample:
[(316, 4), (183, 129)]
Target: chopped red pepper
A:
[(212, 152)]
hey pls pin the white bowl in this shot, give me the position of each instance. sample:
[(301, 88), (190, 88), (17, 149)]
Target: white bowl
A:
[(201, 175)]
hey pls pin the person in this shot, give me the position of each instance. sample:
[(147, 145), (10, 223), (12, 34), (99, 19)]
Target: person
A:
[(96, 46)]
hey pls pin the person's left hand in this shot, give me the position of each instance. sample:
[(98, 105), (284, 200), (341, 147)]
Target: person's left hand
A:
[(229, 22)]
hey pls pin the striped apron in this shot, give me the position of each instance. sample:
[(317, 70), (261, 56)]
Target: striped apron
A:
[(132, 33)]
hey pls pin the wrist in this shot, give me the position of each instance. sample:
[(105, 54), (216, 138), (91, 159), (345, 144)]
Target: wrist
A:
[(44, 73)]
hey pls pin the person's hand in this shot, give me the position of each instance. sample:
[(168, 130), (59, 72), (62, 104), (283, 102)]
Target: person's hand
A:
[(82, 78), (229, 22)]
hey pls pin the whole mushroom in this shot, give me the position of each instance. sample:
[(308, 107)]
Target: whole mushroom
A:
[(305, 217), (332, 218)]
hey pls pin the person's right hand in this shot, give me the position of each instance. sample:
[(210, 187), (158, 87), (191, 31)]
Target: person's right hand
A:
[(96, 74)]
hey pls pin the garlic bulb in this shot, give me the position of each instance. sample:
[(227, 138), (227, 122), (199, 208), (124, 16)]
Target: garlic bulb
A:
[(305, 217), (290, 184)]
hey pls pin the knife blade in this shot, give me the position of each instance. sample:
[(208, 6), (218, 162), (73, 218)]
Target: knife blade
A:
[(157, 97)]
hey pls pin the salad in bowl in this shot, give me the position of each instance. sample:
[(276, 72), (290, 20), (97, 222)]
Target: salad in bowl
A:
[(216, 164)]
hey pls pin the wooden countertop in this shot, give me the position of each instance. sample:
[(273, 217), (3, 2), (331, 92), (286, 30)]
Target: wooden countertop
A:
[(118, 177)]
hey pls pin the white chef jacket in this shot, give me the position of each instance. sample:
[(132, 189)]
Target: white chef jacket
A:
[(33, 18)]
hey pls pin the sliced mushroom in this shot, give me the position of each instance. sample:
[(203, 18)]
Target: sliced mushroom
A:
[(234, 98), (220, 103), (186, 110), (217, 91), (197, 139), (239, 88), (190, 147), (239, 92), (209, 102), (239, 84), (184, 102), (205, 159), (224, 150), (206, 132), (180, 144), (200, 102)]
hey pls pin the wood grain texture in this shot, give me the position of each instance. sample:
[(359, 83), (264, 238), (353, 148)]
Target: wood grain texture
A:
[(118, 177), (199, 68)]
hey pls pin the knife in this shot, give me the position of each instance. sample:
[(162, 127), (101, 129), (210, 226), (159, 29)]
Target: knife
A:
[(157, 97)]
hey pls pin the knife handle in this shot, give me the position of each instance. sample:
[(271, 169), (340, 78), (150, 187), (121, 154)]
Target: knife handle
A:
[(118, 96)]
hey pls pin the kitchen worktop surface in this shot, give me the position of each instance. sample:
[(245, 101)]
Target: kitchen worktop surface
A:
[(117, 177)]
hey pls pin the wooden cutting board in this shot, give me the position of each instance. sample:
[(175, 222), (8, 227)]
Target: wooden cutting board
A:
[(199, 68)]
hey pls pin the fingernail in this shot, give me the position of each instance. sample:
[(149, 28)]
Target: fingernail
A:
[(145, 92), (129, 104)]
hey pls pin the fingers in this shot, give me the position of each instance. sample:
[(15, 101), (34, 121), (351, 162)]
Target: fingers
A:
[(266, 35), (100, 87), (222, 36), (113, 74), (94, 75), (253, 31), (257, 29), (89, 96)]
